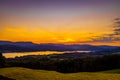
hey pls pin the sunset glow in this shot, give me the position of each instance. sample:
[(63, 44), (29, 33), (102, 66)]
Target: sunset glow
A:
[(64, 22)]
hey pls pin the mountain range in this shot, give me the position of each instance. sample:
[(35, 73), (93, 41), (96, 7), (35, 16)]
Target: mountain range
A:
[(8, 46)]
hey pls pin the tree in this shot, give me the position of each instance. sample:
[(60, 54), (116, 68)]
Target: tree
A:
[(2, 60)]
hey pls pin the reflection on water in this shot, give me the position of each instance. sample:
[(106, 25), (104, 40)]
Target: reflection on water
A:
[(18, 54)]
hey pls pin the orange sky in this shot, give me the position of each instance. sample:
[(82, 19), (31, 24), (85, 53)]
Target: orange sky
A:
[(51, 23), (45, 36)]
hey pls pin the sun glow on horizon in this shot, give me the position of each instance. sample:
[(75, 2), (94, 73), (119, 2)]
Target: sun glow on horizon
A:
[(44, 36), (73, 22)]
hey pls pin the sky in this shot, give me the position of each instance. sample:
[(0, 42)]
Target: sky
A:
[(61, 21)]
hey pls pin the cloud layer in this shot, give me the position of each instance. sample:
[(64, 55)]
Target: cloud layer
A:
[(115, 36)]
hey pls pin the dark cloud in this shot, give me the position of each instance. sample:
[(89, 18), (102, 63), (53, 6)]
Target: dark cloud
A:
[(115, 36), (106, 39), (117, 26)]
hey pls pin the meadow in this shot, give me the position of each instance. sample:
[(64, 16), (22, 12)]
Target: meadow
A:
[(20, 73)]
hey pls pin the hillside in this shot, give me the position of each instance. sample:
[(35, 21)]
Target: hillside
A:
[(29, 74), (115, 71), (8, 46)]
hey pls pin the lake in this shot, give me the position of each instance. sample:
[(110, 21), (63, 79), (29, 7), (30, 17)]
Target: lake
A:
[(18, 54)]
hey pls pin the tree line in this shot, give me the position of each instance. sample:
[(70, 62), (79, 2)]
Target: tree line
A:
[(70, 65)]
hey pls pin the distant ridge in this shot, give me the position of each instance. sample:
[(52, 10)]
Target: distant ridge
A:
[(8, 46)]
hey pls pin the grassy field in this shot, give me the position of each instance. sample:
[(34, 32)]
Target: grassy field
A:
[(29, 74)]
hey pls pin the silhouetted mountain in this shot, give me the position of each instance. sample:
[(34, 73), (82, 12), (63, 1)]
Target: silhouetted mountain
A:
[(7, 46)]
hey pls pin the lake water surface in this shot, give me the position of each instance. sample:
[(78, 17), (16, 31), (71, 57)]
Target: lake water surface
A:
[(18, 54)]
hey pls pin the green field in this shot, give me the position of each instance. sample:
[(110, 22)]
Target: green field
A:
[(29, 74)]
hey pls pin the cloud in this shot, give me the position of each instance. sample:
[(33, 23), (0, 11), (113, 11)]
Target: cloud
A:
[(115, 36), (106, 39), (117, 26)]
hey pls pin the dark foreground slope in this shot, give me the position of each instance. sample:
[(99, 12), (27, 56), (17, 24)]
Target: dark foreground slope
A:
[(5, 78)]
